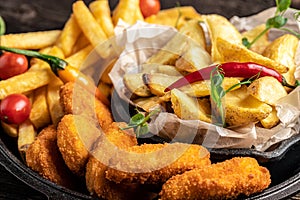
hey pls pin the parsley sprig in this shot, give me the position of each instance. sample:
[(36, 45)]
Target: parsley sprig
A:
[(139, 122), (277, 22)]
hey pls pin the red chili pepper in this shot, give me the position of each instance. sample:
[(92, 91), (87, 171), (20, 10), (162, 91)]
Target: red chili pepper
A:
[(231, 69)]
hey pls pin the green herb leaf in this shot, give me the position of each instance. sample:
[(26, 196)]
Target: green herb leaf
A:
[(283, 5), (2, 26), (276, 22), (137, 119)]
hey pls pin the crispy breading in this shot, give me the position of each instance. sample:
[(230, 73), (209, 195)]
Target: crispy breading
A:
[(155, 163), (96, 182), (224, 180), (77, 100), (76, 135), (44, 157)]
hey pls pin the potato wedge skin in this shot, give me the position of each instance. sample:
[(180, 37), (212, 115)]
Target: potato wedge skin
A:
[(241, 108), (136, 85)]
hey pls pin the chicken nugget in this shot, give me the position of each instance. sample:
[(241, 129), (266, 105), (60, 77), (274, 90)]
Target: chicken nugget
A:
[(77, 100), (155, 163), (114, 138), (224, 180), (44, 157), (76, 135)]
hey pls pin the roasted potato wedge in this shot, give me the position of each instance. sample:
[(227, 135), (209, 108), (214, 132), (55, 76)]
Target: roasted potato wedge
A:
[(270, 121), (136, 85), (189, 108), (267, 89), (283, 51), (241, 108), (262, 42), (220, 27), (147, 104), (151, 68), (231, 52)]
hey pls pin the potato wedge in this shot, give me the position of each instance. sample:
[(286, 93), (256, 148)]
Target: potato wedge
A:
[(175, 17), (230, 52), (193, 30), (30, 40), (147, 104), (220, 27), (150, 68), (189, 108), (127, 10), (193, 59), (271, 120), (262, 42), (283, 51), (267, 89), (202, 88), (69, 36), (241, 108), (136, 85), (39, 115), (157, 83)]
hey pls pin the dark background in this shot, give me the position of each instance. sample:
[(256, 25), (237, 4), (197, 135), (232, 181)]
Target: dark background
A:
[(36, 15)]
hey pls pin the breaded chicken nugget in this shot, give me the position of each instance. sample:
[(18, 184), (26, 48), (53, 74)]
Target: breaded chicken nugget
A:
[(77, 100), (224, 180), (44, 157), (155, 163), (76, 135), (97, 184)]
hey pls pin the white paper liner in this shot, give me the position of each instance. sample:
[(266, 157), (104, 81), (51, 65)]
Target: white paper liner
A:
[(142, 40)]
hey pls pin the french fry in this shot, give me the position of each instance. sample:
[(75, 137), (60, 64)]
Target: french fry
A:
[(81, 43), (30, 40), (26, 136), (10, 129), (88, 24), (102, 14), (39, 115), (127, 10), (79, 57), (231, 52), (25, 82), (220, 27), (69, 36)]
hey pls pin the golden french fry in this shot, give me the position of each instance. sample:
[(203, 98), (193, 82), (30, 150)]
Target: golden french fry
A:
[(34, 61), (26, 137), (88, 24), (39, 115), (77, 59), (25, 82), (102, 14), (230, 52), (175, 17), (30, 40), (220, 27), (54, 51), (127, 10), (10, 129), (189, 108), (105, 75), (69, 36), (283, 50), (81, 43), (262, 42), (53, 100)]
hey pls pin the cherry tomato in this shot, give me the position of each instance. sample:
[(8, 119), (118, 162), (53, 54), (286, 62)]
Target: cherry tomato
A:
[(12, 64), (15, 109), (149, 7)]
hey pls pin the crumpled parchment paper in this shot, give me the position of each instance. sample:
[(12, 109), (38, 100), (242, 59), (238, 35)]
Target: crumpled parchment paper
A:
[(142, 40)]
